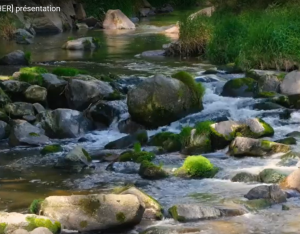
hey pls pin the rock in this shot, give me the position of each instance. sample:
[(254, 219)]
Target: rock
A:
[(153, 209), (19, 109), (80, 12), (272, 193), (293, 101), (51, 79), (4, 99), (38, 108), (294, 134), (208, 11), (287, 141), (171, 230), (128, 141), (95, 212), (124, 167), (257, 204), (82, 26), (170, 142), (240, 87), (172, 30), (115, 19), (64, 123), (147, 100), (267, 106), (29, 118), (23, 133), (23, 37), (196, 212), (36, 93), (134, 20), (151, 171), (80, 93), (153, 53), (245, 177), (4, 130), (242, 146), (84, 43), (21, 231), (3, 116), (224, 132), (15, 222), (17, 57), (129, 127), (15, 89), (289, 159), (271, 176), (90, 21), (292, 181), (106, 112), (291, 83)]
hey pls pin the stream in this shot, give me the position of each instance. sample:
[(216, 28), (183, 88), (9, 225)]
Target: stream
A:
[(26, 175)]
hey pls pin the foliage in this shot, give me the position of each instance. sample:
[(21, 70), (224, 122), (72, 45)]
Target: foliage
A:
[(38, 70), (35, 206)]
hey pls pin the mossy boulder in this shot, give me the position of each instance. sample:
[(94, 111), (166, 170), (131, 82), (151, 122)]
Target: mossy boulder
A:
[(36, 93), (240, 87), (281, 100), (17, 57), (4, 98), (242, 146), (245, 177), (160, 100), (271, 176), (197, 167), (95, 212), (49, 149), (294, 101), (287, 141), (170, 142), (151, 171), (19, 109)]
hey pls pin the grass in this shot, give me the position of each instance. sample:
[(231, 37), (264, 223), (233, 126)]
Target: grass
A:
[(67, 71), (7, 28), (28, 57)]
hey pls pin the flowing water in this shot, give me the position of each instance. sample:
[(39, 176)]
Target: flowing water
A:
[(26, 175)]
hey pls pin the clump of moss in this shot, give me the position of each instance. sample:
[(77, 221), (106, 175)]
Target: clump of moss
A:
[(31, 78), (2, 227), (89, 205), (269, 131), (35, 206), (137, 147), (87, 155), (138, 157), (33, 134), (115, 95), (37, 70), (33, 223), (170, 142), (107, 78), (28, 57), (266, 94), (142, 137), (120, 217), (67, 71), (173, 212), (197, 167), (150, 171), (197, 89), (48, 149)]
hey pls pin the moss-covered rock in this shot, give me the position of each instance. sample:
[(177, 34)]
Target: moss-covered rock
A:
[(281, 100), (134, 156), (245, 177), (294, 101), (240, 87), (151, 171), (4, 98), (197, 167), (287, 141), (289, 159), (266, 94), (271, 176), (170, 142), (19, 109), (49, 149)]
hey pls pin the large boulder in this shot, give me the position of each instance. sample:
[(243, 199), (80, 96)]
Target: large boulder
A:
[(84, 43), (160, 100), (22, 36), (19, 109), (36, 93), (291, 83), (80, 94), (96, 212), (243, 146), (15, 89), (10, 222), (4, 98), (240, 87), (292, 181), (271, 193), (116, 19), (23, 133), (17, 57), (64, 123)]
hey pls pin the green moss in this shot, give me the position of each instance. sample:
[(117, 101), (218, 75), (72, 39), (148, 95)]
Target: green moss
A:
[(197, 167), (120, 189), (67, 71), (87, 155), (31, 78), (35, 206), (185, 136), (170, 142), (282, 100), (269, 131), (137, 147), (173, 212), (48, 149), (71, 38), (204, 128), (33, 223), (120, 217), (142, 137), (83, 224), (197, 89), (89, 205), (28, 57), (137, 157), (34, 134), (266, 144), (266, 94), (239, 82), (150, 171), (281, 76), (96, 41), (87, 44), (37, 70), (2, 227)]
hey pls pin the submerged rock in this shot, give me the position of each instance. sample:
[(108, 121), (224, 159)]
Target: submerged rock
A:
[(242, 146), (124, 167), (151, 171), (17, 57), (84, 43), (116, 19), (240, 87), (245, 177), (170, 142), (272, 193), (171, 230), (271, 176), (95, 212), (129, 127), (287, 141)]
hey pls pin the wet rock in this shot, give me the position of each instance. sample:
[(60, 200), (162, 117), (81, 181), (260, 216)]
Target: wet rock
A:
[(151, 171), (116, 19), (294, 134), (171, 95), (38, 108), (291, 83), (271, 176), (3, 116), (23, 37), (15, 89), (106, 112), (171, 230), (257, 204), (29, 222), (17, 57), (123, 85), (4, 98), (36, 93), (82, 26), (29, 118), (128, 141), (287, 141), (196, 212), (272, 193), (124, 167), (80, 94), (291, 193), (245, 177), (19, 109), (4, 130), (292, 181), (85, 43), (269, 83), (129, 127), (289, 159), (293, 101), (51, 79), (207, 79), (153, 53), (242, 146), (153, 209), (267, 106), (240, 87), (64, 123), (96, 212), (23, 133)]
